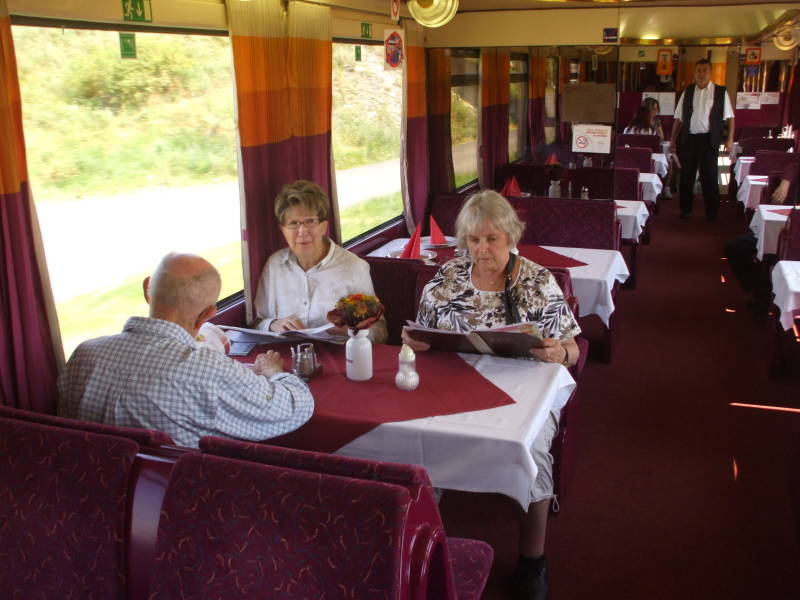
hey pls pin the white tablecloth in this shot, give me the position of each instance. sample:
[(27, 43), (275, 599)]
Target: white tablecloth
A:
[(632, 218), (396, 244), (479, 451), (766, 225), (593, 283), (651, 186), (742, 168), (660, 161), (749, 193), (786, 286)]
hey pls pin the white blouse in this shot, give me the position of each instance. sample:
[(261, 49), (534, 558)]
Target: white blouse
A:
[(285, 289)]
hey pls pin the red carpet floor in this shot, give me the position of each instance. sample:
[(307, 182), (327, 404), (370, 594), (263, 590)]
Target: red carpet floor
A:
[(676, 493)]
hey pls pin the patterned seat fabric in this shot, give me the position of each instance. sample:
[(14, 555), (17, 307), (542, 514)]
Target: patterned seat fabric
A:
[(634, 158), (626, 184), (238, 530), (445, 209), (634, 140), (316, 462), (63, 495), (471, 561), (598, 180), (571, 222), (395, 284), (143, 437)]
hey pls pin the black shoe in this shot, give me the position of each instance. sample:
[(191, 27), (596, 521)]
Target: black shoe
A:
[(531, 580), (711, 218), (684, 215)]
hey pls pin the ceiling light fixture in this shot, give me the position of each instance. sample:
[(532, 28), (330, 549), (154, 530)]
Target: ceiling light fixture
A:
[(433, 13)]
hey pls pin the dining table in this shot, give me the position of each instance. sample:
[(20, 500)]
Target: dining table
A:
[(661, 165), (470, 423), (633, 216), (742, 168), (651, 185), (766, 225), (594, 272), (786, 287), (750, 190)]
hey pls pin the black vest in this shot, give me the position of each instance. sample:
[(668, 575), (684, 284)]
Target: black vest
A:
[(715, 120)]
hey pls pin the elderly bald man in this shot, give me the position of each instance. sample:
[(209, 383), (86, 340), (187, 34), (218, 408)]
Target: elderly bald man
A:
[(155, 376)]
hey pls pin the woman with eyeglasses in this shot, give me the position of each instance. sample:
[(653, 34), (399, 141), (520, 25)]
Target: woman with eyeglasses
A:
[(301, 283)]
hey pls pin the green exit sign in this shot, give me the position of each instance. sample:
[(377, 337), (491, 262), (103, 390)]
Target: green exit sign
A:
[(137, 10), (127, 45), (366, 30)]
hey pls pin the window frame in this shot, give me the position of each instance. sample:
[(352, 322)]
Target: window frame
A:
[(524, 78), (466, 80)]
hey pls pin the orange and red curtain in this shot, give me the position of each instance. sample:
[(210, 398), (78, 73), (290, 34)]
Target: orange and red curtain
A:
[(495, 81), (29, 362), (283, 73), (440, 144)]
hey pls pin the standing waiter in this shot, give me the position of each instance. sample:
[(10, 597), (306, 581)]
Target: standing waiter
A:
[(704, 107)]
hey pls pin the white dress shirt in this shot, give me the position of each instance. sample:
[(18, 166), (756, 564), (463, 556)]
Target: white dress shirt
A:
[(285, 289), (701, 113)]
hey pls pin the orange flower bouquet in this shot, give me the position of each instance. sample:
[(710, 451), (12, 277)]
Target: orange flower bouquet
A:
[(356, 312)]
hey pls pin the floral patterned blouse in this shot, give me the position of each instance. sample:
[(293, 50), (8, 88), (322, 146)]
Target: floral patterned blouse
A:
[(450, 301)]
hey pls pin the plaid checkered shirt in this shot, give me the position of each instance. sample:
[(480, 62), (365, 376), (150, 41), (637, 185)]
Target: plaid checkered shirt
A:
[(153, 375)]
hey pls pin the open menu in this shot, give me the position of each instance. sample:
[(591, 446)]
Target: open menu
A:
[(508, 340), (325, 333)]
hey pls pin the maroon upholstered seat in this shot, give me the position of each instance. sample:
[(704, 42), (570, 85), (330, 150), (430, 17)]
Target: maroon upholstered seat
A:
[(768, 161), (143, 437), (445, 208), (752, 145), (598, 180), (789, 238), (471, 561), (636, 140), (423, 542), (62, 511), (395, 284), (234, 529), (532, 179), (571, 222), (634, 158), (626, 184)]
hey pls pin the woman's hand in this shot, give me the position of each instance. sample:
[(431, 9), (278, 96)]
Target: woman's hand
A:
[(552, 351), (290, 323), (779, 195), (415, 345), (268, 364)]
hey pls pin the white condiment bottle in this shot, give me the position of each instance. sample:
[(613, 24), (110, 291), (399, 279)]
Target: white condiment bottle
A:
[(407, 378)]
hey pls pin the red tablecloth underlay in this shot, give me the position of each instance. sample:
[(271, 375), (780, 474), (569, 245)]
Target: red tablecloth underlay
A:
[(537, 254), (344, 410)]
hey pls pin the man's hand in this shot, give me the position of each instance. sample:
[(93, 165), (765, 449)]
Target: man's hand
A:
[(780, 193), (728, 146), (290, 323), (672, 146), (268, 364)]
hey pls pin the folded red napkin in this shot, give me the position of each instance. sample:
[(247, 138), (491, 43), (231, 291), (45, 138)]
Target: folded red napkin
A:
[(548, 258), (411, 249), (552, 159), (437, 237), (511, 188), (621, 206), (781, 211)]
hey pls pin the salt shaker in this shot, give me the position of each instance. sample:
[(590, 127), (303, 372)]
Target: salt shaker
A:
[(407, 378), (585, 192)]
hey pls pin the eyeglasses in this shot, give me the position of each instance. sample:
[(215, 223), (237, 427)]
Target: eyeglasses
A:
[(307, 223)]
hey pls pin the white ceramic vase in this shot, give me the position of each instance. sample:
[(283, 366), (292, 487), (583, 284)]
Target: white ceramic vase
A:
[(358, 354)]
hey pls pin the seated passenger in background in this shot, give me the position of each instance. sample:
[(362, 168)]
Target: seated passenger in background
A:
[(301, 283), (154, 375), (655, 108), (642, 123), (491, 286)]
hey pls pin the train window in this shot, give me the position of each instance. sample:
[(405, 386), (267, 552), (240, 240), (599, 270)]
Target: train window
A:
[(464, 109), (128, 159), (518, 107), (366, 137)]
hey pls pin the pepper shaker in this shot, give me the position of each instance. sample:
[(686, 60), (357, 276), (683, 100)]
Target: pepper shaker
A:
[(407, 378)]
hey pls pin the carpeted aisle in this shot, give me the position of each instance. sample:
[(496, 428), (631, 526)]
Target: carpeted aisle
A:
[(676, 493)]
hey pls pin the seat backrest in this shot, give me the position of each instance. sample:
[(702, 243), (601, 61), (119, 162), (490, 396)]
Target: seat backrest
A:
[(564, 280), (426, 273), (239, 530), (789, 246), (626, 184), (768, 161), (445, 208), (532, 179), (571, 222), (143, 437), (752, 145), (637, 140), (636, 158), (64, 495), (599, 181), (395, 283)]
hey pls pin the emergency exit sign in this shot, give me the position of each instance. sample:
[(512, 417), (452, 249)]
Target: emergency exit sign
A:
[(137, 10)]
